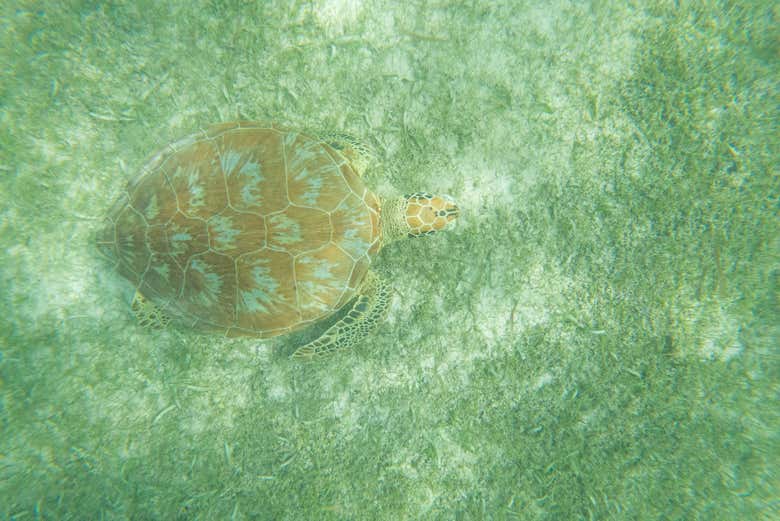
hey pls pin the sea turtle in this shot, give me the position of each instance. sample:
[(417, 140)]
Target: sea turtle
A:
[(258, 230)]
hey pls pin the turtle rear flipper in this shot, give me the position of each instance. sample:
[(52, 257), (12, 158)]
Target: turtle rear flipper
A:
[(147, 313), (366, 312)]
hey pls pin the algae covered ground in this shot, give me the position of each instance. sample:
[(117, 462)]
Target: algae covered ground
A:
[(597, 338)]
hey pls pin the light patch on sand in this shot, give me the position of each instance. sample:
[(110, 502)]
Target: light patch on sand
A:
[(51, 152), (337, 16), (543, 19), (495, 316), (720, 335), (487, 185), (341, 405), (278, 385), (543, 289), (224, 395), (59, 278), (348, 413), (397, 64), (405, 465), (708, 331), (543, 380), (453, 457)]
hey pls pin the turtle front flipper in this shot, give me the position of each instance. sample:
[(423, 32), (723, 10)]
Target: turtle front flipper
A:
[(359, 155), (148, 314), (367, 310)]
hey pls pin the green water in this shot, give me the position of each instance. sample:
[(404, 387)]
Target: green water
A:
[(597, 339)]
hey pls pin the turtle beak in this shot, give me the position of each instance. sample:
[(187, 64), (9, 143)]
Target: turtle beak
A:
[(450, 209)]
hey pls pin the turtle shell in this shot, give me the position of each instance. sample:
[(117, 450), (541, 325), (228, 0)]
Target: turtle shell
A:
[(245, 229)]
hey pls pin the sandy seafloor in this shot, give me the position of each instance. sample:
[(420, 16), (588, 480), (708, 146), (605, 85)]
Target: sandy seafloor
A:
[(597, 338)]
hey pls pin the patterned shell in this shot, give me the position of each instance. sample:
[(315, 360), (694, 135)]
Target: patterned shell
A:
[(245, 229)]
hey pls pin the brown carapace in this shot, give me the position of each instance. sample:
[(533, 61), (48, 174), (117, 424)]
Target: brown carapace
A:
[(254, 229)]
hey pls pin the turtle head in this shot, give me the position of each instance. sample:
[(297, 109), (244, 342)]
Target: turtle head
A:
[(425, 214), (416, 215)]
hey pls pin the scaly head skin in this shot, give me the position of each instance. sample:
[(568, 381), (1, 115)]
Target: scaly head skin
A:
[(416, 215)]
